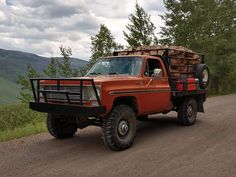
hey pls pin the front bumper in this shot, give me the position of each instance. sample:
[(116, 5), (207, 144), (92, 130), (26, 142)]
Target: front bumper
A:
[(67, 109)]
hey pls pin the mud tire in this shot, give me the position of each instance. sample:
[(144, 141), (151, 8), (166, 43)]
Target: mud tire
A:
[(60, 127), (113, 135), (187, 111)]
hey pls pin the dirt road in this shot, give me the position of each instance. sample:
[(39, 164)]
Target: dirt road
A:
[(162, 148)]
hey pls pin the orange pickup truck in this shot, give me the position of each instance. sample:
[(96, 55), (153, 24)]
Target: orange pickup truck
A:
[(120, 89)]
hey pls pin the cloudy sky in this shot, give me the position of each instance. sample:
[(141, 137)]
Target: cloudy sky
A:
[(40, 26)]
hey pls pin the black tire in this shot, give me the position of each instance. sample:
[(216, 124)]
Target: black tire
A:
[(142, 118), (187, 111), (61, 127), (202, 73), (119, 128)]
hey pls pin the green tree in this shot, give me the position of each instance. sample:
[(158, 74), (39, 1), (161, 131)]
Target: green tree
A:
[(26, 89), (55, 69), (103, 45), (64, 66), (141, 30), (206, 26), (52, 69)]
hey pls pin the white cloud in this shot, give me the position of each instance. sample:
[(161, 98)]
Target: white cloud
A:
[(42, 26)]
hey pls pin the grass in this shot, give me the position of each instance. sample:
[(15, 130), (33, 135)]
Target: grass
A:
[(8, 91), (28, 129), (18, 120)]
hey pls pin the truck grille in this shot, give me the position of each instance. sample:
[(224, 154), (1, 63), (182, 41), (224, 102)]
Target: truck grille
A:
[(62, 97)]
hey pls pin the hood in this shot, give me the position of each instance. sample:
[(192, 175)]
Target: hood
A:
[(112, 78), (99, 80), (116, 80)]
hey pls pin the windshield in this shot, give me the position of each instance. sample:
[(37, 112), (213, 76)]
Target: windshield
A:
[(117, 66)]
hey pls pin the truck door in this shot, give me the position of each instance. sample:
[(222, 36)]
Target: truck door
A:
[(157, 95)]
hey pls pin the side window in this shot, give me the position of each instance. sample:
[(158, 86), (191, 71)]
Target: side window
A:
[(151, 64)]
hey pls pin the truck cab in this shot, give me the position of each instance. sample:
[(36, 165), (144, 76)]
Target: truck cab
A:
[(132, 77)]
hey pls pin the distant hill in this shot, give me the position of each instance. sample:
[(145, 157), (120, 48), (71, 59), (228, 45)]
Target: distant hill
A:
[(13, 63)]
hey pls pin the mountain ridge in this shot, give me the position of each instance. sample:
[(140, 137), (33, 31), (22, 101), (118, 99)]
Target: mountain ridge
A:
[(14, 63)]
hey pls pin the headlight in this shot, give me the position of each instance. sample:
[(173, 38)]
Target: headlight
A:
[(91, 93)]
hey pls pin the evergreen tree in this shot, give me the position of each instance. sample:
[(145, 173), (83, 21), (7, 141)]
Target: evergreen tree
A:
[(103, 45), (141, 30), (26, 89), (64, 66), (52, 69), (206, 26)]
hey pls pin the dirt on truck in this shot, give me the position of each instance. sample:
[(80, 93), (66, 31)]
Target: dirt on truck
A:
[(118, 90)]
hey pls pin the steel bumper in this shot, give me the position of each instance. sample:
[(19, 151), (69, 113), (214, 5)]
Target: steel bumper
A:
[(67, 109)]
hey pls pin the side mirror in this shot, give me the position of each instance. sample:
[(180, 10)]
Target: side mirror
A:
[(157, 74)]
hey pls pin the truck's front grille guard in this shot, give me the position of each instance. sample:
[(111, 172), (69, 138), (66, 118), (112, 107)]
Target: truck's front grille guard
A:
[(54, 96), (35, 84)]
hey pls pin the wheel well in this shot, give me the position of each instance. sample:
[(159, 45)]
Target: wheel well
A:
[(128, 100), (200, 99)]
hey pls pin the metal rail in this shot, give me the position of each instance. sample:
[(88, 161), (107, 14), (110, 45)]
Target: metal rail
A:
[(35, 84)]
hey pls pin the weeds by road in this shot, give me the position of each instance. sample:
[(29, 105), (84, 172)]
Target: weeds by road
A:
[(18, 120)]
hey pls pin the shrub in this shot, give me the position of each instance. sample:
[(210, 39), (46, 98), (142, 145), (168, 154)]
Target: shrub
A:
[(18, 115)]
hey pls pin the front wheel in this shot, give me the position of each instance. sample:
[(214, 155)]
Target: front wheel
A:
[(119, 128), (61, 126), (187, 111)]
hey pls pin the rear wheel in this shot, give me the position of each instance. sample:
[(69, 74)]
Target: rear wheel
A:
[(187, 111), (61, 126), (119, 128)]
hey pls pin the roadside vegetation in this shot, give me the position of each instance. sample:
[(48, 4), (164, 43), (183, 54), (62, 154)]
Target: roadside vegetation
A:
[(8, 91), (204, 26), (18, 120)]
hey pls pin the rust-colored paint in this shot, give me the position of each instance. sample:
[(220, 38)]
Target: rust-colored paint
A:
[(152, 96)]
